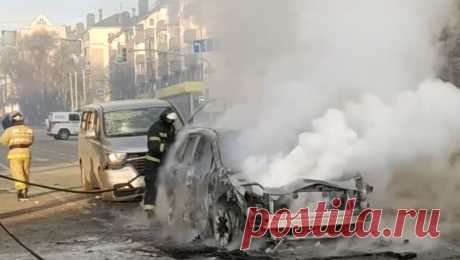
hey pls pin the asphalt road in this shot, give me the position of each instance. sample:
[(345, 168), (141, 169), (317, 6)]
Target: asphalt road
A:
[(67, 226)]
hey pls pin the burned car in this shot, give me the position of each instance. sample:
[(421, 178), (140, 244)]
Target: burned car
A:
[(205, 188)]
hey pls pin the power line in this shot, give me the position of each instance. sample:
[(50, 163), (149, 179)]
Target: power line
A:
[(116, 188), (13, 21)]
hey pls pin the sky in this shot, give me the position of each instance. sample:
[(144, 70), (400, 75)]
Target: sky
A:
[(14, 13)]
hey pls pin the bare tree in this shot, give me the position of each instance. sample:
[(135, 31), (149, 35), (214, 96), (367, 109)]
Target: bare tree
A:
[(38, 67)]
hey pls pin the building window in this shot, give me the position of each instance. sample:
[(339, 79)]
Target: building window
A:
[(140, 27), (152, 22), (41, 21), (140, 69)]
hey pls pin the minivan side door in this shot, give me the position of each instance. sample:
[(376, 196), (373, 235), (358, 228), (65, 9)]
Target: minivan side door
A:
[(89, 148), (96, 150)]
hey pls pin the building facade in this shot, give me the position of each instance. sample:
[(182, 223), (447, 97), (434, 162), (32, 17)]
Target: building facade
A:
[(97, 54), (161, 48), (41, 23)]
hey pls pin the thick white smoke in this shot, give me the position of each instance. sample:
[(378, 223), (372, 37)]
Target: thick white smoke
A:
[(374, 138), (336, 86)]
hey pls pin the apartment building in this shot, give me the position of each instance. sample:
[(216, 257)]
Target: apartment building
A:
[(96, 54), (160, 49)]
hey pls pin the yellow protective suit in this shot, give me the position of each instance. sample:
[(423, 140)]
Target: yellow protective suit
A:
[(19, 138)]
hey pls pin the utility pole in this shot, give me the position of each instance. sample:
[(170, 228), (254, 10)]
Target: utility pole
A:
[(201, 38), (83, 75), (76, 91), (71, 92)]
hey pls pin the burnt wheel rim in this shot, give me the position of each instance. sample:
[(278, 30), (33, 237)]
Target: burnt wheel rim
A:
[(225, 223)]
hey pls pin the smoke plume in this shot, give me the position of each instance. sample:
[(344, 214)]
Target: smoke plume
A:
[(334, 86)]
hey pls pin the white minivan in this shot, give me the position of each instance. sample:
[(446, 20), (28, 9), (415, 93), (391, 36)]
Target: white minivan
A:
[(62, 125), (113, 143)]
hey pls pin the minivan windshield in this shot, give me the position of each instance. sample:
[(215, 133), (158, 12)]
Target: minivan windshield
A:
[(132, 122)]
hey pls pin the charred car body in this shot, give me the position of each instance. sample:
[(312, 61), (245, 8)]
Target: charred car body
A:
[(205, 188)]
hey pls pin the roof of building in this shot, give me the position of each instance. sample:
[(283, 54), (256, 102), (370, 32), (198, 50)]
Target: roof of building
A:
[(118, 19), (41, 20), (158, 6)]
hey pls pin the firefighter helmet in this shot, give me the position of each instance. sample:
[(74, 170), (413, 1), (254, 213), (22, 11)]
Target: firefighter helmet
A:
[(169, 115), (16, 118)]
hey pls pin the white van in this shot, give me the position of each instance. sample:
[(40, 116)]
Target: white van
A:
[(62, 125), (113, 143)]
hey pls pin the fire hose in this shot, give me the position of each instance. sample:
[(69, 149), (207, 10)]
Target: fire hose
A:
[(114, 189), (37, 256)]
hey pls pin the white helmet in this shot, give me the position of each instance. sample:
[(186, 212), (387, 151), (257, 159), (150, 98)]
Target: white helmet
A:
[(17, 117), (172, 116)]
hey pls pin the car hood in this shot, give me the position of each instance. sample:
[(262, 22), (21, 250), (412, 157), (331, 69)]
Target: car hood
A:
[(131, 144)]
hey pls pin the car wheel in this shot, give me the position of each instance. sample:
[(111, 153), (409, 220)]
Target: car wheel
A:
[(226, 223), (85, 184), (64, 134)]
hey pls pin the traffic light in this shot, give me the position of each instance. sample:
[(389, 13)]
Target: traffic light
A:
[(123, 57)]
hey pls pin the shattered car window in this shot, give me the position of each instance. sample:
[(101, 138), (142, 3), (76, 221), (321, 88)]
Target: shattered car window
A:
[(203, 156), (232, 150), (185, 154), (133, 122)]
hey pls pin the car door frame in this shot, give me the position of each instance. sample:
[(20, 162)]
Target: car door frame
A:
[(84, 145), (97, 149), (91, 148)]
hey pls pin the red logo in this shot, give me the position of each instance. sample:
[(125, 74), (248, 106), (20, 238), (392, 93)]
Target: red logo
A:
[(333, 222)]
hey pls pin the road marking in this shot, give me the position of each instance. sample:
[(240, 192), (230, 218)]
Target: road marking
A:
[(32, 169), (4, 167), (41, 159), (56, 153)]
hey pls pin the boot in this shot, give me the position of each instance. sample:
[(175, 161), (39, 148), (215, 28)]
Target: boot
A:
[(150, 210), (25, 194), (149, 207), (21, 195)]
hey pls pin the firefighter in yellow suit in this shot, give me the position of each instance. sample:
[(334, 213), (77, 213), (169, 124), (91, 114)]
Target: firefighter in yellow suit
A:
[(19, 138)]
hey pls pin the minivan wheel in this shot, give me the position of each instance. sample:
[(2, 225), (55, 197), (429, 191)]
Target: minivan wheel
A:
[(64, 134)]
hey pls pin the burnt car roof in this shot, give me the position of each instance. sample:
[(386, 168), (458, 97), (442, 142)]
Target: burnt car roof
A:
[(298, 185), (311, 185), (191, 129)]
